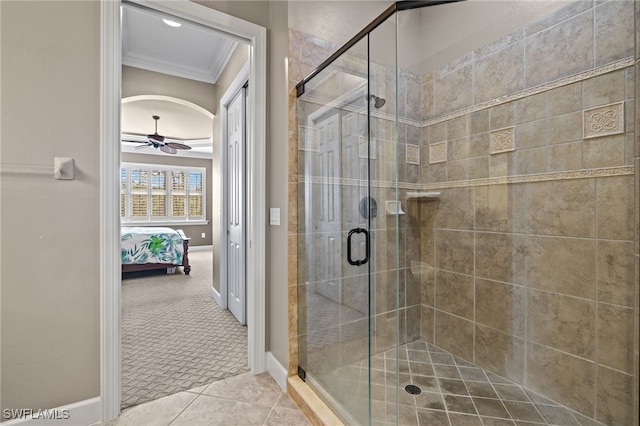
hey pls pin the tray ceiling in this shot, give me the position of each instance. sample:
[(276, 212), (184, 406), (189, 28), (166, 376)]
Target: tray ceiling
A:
[(188, 51)]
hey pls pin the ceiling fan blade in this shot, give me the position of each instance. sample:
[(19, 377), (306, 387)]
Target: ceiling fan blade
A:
[(155, 138), (142, 146), (177, 145), (168, 149), (134, 141)]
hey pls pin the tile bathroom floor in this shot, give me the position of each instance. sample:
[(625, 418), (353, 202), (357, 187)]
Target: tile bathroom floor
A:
[(454, 392), (240, 400)]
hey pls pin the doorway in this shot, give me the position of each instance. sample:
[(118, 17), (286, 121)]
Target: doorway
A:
[(255, 36)]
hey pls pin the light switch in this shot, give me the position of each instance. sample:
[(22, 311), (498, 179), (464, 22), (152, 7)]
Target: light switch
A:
[(274, 216)]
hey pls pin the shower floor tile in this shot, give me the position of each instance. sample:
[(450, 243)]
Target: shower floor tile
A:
[(454, 392)]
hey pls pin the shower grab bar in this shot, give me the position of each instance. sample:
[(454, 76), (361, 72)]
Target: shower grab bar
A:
[(366, 256)]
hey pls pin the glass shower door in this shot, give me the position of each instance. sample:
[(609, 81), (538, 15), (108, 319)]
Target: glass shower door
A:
[(334, 235)]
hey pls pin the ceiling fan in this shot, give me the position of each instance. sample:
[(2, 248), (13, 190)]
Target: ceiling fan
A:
[(158, 141)]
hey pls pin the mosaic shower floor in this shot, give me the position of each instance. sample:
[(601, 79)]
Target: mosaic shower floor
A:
[(454, 392)]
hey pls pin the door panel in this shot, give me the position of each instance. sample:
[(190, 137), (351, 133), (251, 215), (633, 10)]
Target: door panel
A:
[(236, 287)]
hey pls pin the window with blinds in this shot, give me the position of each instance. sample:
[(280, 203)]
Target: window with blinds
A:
[(155, 193)]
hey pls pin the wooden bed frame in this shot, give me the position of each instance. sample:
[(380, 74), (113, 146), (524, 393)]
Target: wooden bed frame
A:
[(152, 266)]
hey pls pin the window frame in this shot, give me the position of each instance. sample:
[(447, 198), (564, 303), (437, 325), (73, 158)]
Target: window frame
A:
[(126, 170)]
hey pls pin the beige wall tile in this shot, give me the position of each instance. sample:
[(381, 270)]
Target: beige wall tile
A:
[(454, 294), (500, 352), (532, 134), (560, 51), (500, 207), (614, 397), (479, 144), (454, 251), (500, 73), (529, 161), (604, 89), (457, 127), (564, 157), (501, 306), (562, 265), (564, 99), (499, 164), (570, 10), (502, 116), (565, 127), (564, 207), (531, 108), (615, 337), (615, 210), (427, 97), (608, 151), (457, 170), (614, 29), (478, 167), (563, 322), (458, 149), (454, 91), (616, 272), (479, 122), (454, 334), (455, 209), (427, 323), (501, 257), (562, 377)]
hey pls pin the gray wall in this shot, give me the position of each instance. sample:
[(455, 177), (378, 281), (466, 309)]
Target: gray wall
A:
[(49, 229)]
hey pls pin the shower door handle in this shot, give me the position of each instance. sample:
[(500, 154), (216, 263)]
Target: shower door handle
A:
[(366, 256)]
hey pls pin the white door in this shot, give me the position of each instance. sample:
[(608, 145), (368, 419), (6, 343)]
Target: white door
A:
[(236, 288)]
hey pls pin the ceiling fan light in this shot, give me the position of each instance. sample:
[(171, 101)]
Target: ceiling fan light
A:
[(171, 23)]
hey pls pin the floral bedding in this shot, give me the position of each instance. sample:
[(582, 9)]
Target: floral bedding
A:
[(141, 245)]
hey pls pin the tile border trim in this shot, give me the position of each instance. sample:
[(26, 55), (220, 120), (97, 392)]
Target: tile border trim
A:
[(540, 177)]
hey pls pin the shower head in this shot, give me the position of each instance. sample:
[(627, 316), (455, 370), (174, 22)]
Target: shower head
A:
[(378, 102)]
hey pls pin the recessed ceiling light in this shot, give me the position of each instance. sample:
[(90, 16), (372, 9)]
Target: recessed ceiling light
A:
[(172, 23)]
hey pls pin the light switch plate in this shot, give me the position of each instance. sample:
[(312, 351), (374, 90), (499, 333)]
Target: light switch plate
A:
[(274, 216)]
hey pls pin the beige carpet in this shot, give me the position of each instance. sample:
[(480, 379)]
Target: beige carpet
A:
[(174, 336)]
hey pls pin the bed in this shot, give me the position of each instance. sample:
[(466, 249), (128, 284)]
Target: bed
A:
[(147, 248)]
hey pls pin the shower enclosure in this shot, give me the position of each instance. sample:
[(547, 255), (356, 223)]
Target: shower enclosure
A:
[(467, 216)]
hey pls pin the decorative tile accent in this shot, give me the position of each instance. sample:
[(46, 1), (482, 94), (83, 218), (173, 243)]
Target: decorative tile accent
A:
[(363, 149), (604, 121), (412, 155), (503, 140), (438, 152)]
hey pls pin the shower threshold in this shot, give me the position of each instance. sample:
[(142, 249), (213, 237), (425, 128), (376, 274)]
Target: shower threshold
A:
[(452, 392)]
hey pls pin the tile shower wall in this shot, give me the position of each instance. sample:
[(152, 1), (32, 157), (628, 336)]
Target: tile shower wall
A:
[(528, 265)]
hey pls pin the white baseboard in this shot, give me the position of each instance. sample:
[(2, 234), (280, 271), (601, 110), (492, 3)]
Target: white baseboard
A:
[(216, 296), (200, 248), (277, 370), (85, 412)]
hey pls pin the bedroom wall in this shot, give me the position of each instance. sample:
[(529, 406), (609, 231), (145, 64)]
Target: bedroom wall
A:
[(136, 81), (193, 231), (50, 262)]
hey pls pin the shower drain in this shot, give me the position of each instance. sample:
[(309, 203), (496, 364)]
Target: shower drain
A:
[(413, 389)]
